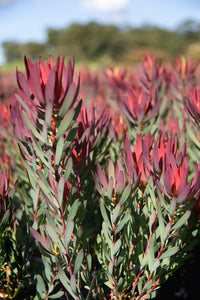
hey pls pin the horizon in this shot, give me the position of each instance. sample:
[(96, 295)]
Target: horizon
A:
[(28, 21)]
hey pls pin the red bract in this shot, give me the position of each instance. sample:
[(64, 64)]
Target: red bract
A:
[(162, 148), (138, 105), (151, 73), (4, 185), (46, 82), (175, 177), (134, 160), (192, 104), (91, 130), (185, 70), (116, 77)]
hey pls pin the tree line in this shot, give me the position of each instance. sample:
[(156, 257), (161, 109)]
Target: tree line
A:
[(95, 41)]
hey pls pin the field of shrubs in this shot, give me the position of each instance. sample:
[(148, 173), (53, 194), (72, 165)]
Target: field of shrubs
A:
[(99, 178)]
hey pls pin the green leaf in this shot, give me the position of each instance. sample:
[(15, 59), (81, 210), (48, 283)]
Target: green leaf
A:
[(122, 223), (65, 123), (172, 207), (68, 169), (77, 110), (110, 268), (125, 194), (170, 252), (116, 247), (54, 237), (151, 219), (73, 284), (48, 112), (32, 127), (5, 219), (73, 210), (58, 295), (59, 150), (71, 135), (61, 185), (78, 262), (89, 262), (107, 235), (41, 288), (115, 213), (68, 232), (104, 213), (155, 265), (182, 220), (65, 280), (39, 152), (166, 231), (160, 220), (68, 100)]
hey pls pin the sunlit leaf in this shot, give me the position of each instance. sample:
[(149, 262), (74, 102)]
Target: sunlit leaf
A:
[(78, 262)]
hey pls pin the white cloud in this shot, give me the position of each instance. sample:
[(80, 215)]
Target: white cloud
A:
[(105, 5)]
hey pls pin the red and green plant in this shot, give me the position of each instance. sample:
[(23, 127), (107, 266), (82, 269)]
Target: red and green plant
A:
[(101, 200)]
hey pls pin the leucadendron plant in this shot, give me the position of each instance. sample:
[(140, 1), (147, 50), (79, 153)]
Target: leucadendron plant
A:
[(112, 217)]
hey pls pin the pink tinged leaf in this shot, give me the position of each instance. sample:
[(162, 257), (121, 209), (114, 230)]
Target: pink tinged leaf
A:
[(120, 184), (35, 83), (41, 63), (102, 177), (183, 194), (60, 70), (169, 180), (110, 188), (155, 158), (51, 64), (28, 66), (183, 177), (160, 187), (146, 156), (50, 86), (39, 238), (195, 185), (172, 162), (128, 157), (118, 168), (22, 83), (99, 189), (156, 107), (111, 171)]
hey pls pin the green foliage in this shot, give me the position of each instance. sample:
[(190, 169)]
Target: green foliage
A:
[(94, 41)]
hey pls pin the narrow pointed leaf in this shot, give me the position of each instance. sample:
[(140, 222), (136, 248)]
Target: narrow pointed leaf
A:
[(116, 247), (65, 124), (78, 262), (59, 150), (182, 220), (68, 232), (68, 100), (170, 252)]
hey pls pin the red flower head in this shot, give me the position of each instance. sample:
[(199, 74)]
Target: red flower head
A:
[(46, 82), (116, 77), (151, 73), (192, 104), (91, 129), (139, 105), (134, 160), (175, 177)]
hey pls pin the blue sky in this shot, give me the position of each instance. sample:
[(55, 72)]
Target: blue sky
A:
[(28, 20)]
